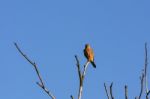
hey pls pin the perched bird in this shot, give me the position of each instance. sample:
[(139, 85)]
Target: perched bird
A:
[(89, 54)]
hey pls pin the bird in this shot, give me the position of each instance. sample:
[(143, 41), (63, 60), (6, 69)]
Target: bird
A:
[(89, 54)]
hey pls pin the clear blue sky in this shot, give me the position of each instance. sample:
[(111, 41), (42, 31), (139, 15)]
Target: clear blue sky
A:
[(52, 32)]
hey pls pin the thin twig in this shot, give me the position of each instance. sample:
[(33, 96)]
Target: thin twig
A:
[(41, 84), (46, 90), (32, 63), (145, 70), (78, 66), (81, 82), (111, 94), (85, 68), (146, 65), (142, 81), (108, 97), (80, 78), (126, 91)]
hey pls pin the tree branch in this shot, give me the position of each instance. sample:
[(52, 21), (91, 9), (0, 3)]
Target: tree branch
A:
[(85, 68), (78, 66), (108, 97), (145, 70), (126, 91), (142, 81), (41, 84), (81, 76), (111, 94)]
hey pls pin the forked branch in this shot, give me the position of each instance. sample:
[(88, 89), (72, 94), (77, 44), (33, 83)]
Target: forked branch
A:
[(110, 94), (81, 76)]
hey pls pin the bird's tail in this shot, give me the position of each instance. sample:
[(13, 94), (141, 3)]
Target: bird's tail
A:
[(94, 65)]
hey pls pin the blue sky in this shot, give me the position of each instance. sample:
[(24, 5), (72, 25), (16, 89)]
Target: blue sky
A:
[(52, 32)]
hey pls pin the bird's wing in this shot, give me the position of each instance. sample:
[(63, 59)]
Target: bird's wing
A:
[(91, 54), (87, 53)]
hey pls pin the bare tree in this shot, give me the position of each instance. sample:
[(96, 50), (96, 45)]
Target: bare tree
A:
[(144, 90)]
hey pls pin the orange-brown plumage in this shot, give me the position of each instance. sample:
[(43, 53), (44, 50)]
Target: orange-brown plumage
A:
[(89, 54)]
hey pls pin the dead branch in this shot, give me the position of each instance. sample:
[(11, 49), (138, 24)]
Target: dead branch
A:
[(108, 97), (85, 68), (126, 91), (78, 66), (81, 76), (41, 84), (145, 70), (111, 94), (142, 81)]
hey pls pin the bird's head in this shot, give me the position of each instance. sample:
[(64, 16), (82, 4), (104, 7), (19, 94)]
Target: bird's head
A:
[(87, 45)]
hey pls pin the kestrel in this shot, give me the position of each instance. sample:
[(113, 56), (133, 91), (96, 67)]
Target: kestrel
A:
[(89, 54)]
